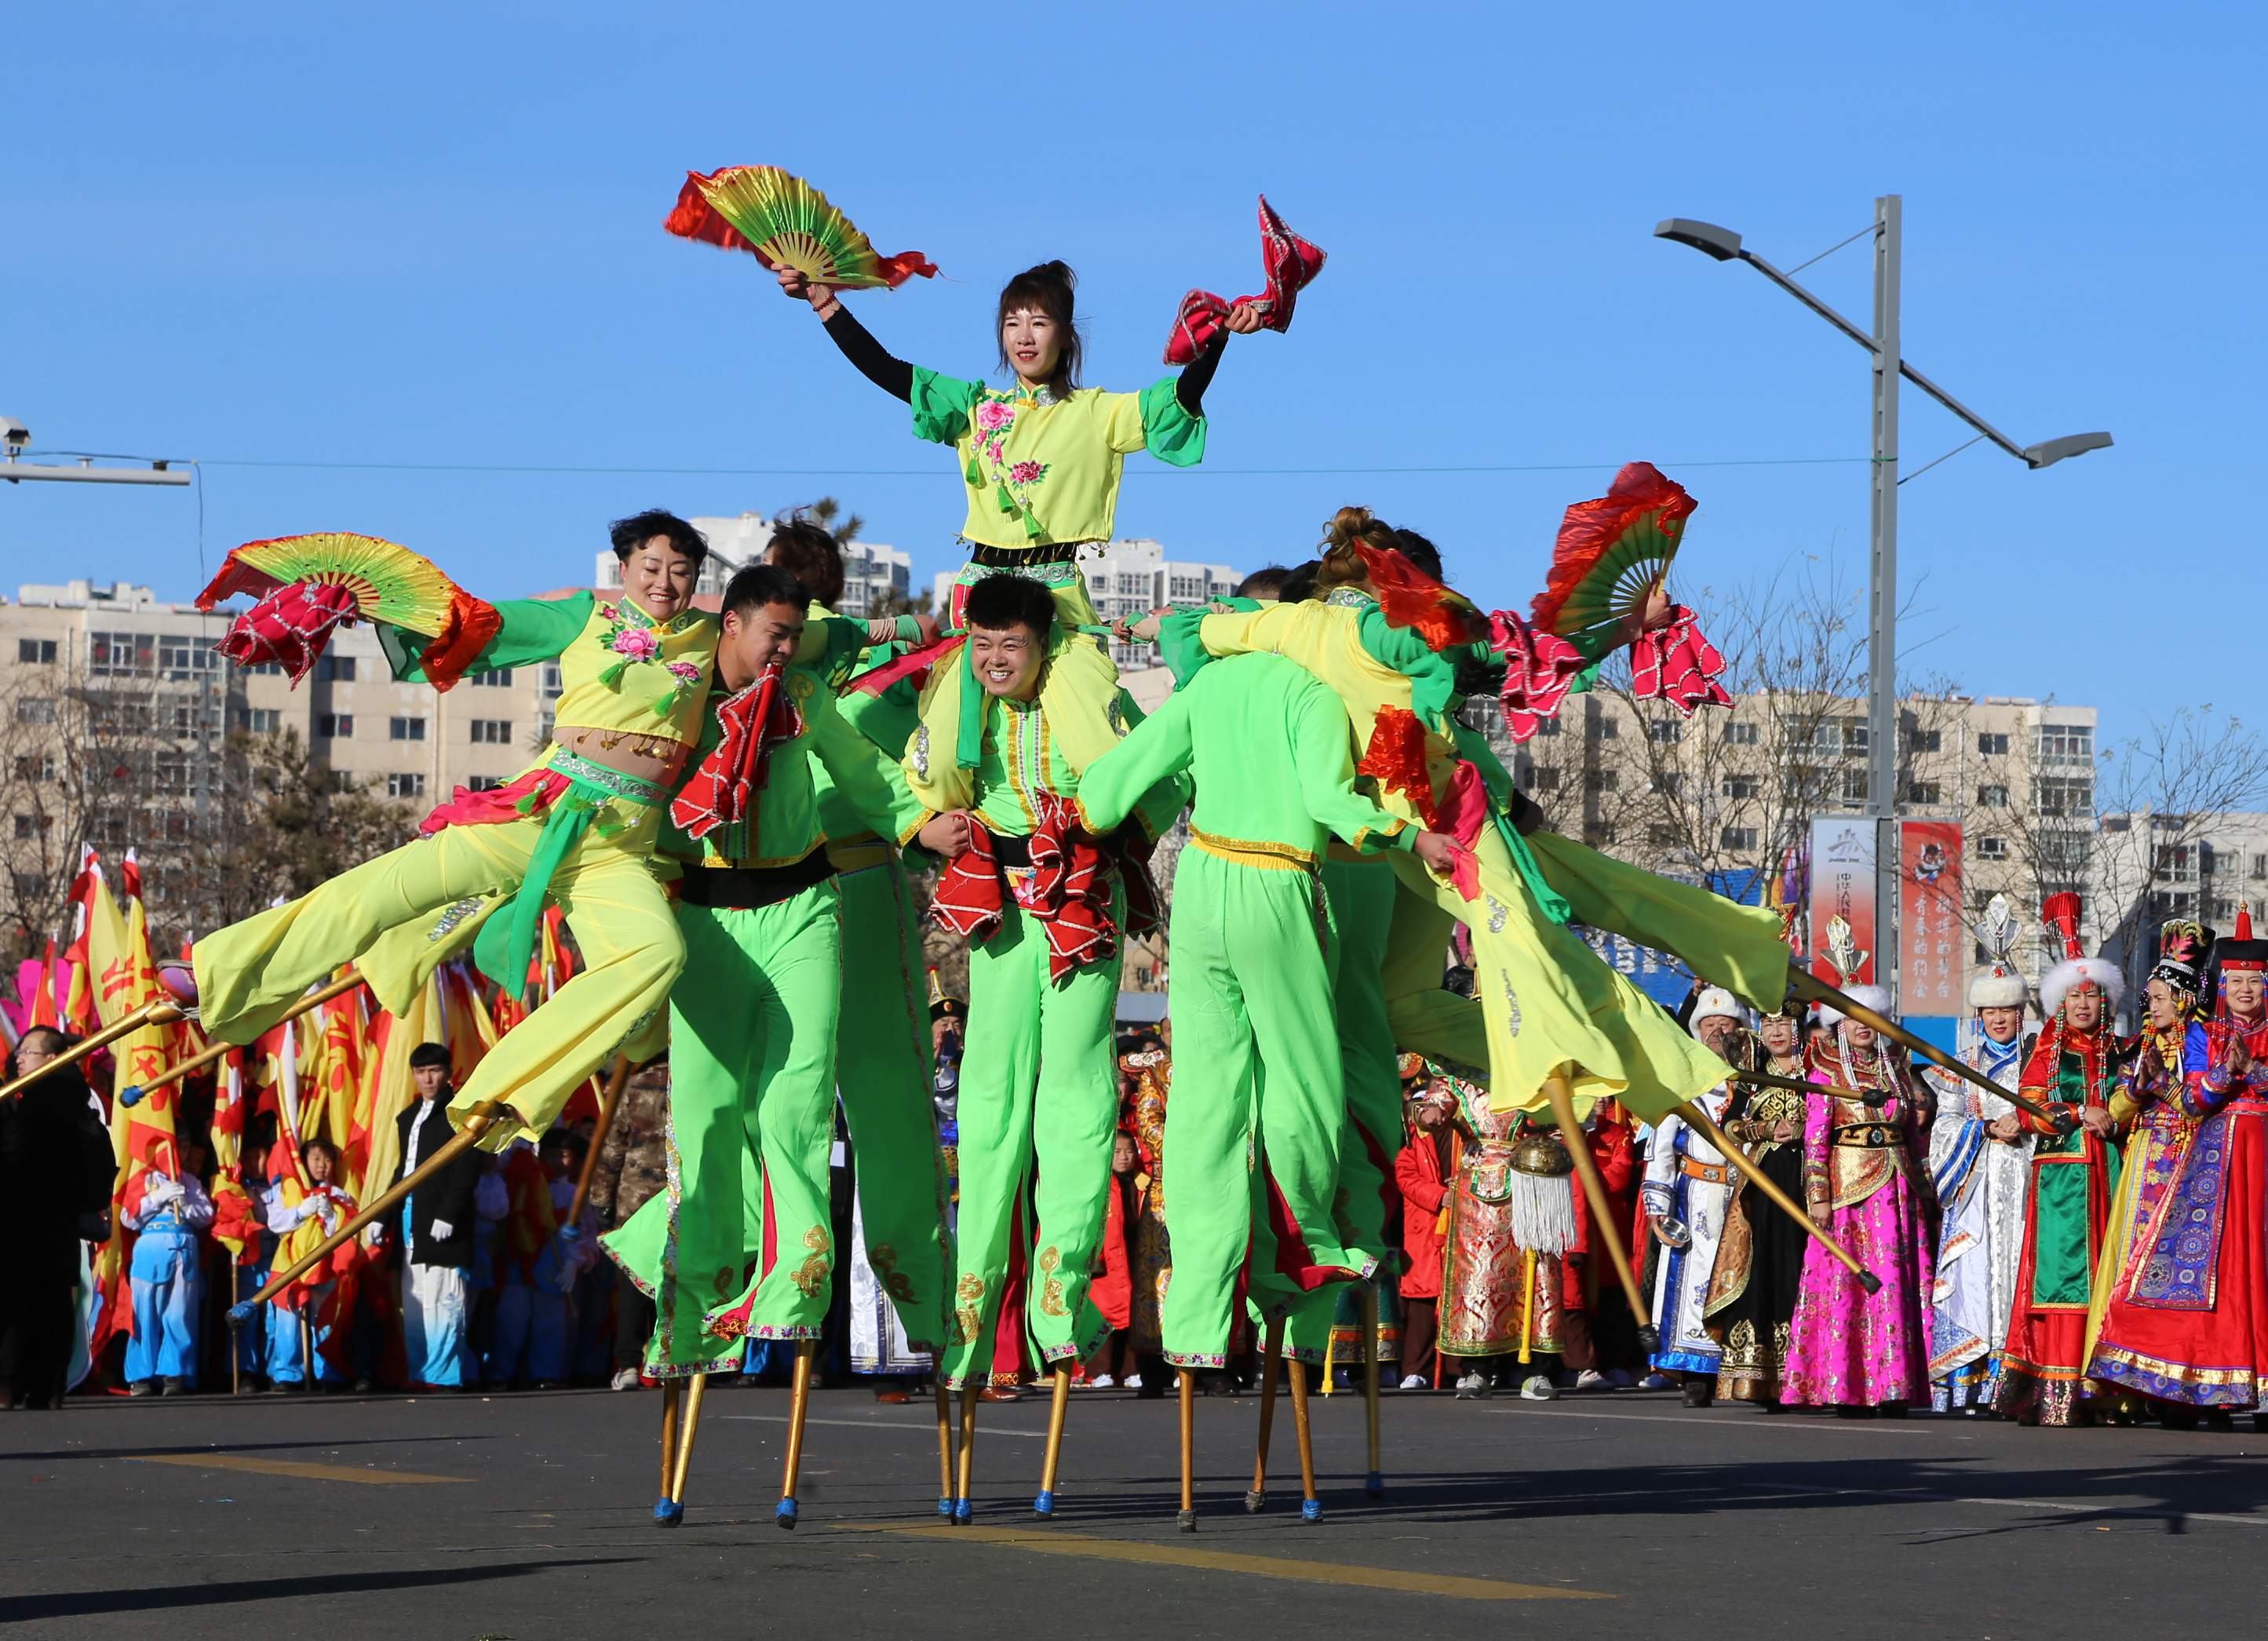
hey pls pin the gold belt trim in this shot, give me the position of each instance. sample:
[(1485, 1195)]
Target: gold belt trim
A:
[(1276, 856), (855, 854), (1708, 1172), (1867, 1137), (1346, 854)]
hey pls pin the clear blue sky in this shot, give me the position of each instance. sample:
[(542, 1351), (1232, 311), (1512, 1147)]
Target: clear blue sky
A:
[(432, 234)]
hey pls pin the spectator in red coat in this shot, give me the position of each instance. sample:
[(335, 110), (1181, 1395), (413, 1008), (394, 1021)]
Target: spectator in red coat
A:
[(1421, 1169)]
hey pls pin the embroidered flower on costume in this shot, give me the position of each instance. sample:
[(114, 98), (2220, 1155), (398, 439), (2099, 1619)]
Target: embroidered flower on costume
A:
[(994, 415), (684, 671), (637, 643), (1025, 472)]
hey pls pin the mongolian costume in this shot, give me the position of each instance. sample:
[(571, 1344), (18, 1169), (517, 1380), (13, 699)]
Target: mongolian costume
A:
[(1148, 1241), (1982, 1182), (1760, 1252), (1688, 1189), (1511, 1224), (573, 827), (2187, 1321), (740, 1245), (1042, 907), (1249, 979), (2074, 1177), (1862, 1167)]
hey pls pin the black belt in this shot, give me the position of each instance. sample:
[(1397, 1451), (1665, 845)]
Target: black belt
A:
[(1868, 1136), (1022, 557), (741, 888), (1011, 851)]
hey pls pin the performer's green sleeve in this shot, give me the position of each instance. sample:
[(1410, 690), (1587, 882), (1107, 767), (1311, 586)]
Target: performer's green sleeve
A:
[(874, 784), (1125, 779), (1320, 749), (533, 630)]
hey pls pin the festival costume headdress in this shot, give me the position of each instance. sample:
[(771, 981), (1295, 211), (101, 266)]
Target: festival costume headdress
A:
[(2182, 944), (2002, 985), (943, 1004), (1846, 959), (2241, 953), (1715, 1002), (2060, 914)]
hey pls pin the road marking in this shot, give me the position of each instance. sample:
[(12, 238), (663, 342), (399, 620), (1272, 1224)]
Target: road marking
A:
[(878, 1425), (291, 1466), (1055, 1541)]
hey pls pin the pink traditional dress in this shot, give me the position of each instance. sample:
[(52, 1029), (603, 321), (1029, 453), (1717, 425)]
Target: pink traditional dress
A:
[(1848, 1347)]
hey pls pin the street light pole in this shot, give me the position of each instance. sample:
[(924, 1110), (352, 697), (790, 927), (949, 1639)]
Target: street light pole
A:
[(1882, 586), (1886, 350)]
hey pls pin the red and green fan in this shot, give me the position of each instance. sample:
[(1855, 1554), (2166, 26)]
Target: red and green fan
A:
[(785, 222), (308, 586)]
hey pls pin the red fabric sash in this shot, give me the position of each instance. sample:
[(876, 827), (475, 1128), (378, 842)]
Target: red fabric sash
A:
[(723, 790), (1539, 669), (1677, 665), (289, 627), (1289, 263), (1068, 893), (530, 794)]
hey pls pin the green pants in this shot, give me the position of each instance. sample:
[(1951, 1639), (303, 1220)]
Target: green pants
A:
[(1253, 1079), (1038, 1085), (738, 1244), (882, 1067)]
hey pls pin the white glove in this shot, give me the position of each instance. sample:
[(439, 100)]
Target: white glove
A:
[(161, 1193), (442, 1230), (373, 1234)]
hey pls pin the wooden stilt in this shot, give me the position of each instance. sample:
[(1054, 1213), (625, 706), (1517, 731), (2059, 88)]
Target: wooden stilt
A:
[(235, 1356), (135, 1093), (799, 1405), (944, 1447), (307, 1345), (1366, 1304), (1187, 1519), (694, 1392), (963, 1506), (1693, 1114), (1059, 1403), (666, 1512), (1594, 1191), (1311, 1508), (1272, 1367), (617, 1081)]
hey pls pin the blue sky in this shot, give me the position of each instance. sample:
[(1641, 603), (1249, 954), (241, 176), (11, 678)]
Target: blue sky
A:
[(432, 235)]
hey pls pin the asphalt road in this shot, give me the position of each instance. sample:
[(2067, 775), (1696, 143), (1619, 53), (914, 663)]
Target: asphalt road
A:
[(1616, 1515)]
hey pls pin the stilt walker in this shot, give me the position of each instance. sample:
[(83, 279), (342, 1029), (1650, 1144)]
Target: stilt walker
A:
[(1042, 907), (738, 1245), (1272, 1364), (1267, 749)]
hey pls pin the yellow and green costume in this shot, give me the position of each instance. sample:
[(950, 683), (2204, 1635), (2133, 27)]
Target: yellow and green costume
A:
[(569, 828), (739, 1242), (1252, 1132), (1038, 1079)]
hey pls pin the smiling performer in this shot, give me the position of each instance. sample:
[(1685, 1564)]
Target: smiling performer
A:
[(738, 1245), (576, 828), (1042, 908)]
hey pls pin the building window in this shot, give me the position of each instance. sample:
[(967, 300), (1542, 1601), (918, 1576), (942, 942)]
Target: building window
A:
[(1992, 746), (1924, 792), (2259, 868), (29, 827), (1737, 837), (261, 720), (1669, 783), (399, 785), (1604, 729), (1992, 849), (1738, 786), (2063, 743), (484, 783), (1740, 734), (1549, 727), (1601, 780), (265, 669), (36, 652), (2063, 795), (552, 685), (335, 726), (1925, 740), (121, 654), (1661, 836), (1547, 780), (36, 766), (334, 669), (1665, 732), (35, 708), (1854, 786), (489, 732), (405, 729), (181, 659), (495, 678), (2224, 910), (1991, 797)]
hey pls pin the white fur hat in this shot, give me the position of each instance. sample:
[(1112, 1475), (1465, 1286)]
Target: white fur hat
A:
[(2072, 973), (1998, 988), (1875, 997), (1715, 1001)]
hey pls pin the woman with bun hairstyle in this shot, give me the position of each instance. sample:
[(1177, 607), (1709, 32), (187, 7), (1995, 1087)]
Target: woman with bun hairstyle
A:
[(1041, 458)]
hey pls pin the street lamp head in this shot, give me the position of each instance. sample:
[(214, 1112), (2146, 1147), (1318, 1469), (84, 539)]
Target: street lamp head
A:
[(14, 433), (1704, 237), (2055, 449)]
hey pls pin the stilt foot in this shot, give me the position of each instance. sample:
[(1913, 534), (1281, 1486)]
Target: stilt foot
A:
[(945, 1508), (1186, 1520), (1374, 1485), (1044, 1505), (1254, 1502), (785, 1514), (962, 1510), (667, 1513), (1311, 1510)]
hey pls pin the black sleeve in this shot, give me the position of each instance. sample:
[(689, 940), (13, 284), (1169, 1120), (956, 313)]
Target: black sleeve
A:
[(1196, 376), (452, 1198), (892, 375)]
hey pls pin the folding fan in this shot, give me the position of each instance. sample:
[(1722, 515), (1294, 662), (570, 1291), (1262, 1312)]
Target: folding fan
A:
[(308, 584), (785, 222), (1612, 555)]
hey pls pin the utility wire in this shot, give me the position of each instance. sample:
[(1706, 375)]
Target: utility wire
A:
[(932, 472)]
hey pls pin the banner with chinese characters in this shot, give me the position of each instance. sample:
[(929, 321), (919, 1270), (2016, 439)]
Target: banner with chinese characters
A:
[(1932, 942), (1843, 885)]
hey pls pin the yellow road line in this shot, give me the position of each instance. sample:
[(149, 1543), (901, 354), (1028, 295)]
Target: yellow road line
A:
[(1055, 1541), (291, 1466)]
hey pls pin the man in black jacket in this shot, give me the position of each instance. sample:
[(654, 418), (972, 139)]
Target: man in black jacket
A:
[(433, 1228), (55, 1178)]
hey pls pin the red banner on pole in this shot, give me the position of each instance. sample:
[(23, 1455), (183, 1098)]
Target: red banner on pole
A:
[(1933, 941)]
